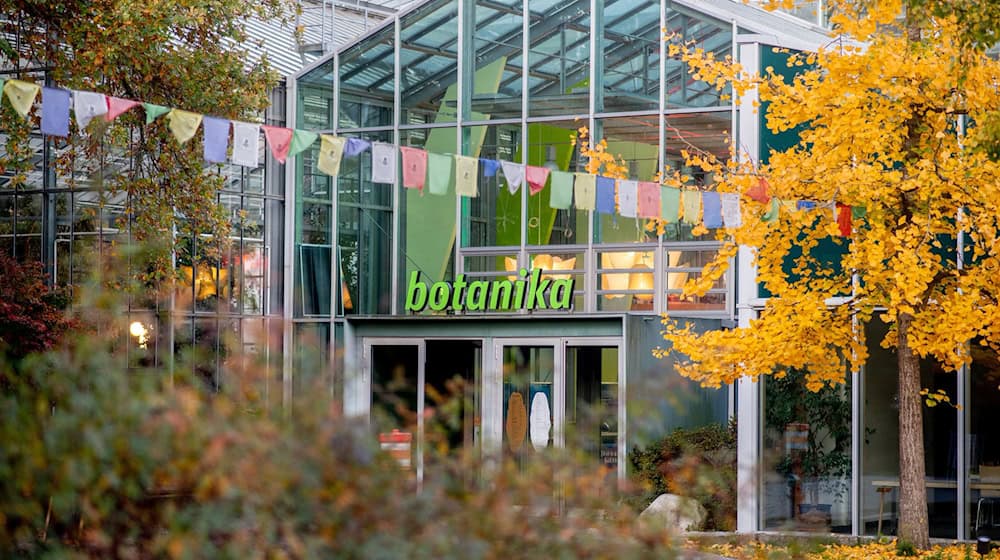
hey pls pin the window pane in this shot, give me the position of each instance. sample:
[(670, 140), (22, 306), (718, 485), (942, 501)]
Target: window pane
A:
[(493, 219), (559, 58), (366, 82), (428, 63), (498, 61), (630, 43)]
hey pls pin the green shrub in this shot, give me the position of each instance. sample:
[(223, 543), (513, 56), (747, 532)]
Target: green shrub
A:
[(699, 463)]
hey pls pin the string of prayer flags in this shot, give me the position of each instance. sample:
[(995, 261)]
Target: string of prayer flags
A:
[(628, 194), (279, 139), (670, 204), (536, 177), (467, 176), (21, 95), (561, 193), (691, 204), (439, 168), (649, 199), (712, 209), (183, 124), (216, 136), (117, 106), (514, 174), (844, 214), (383, 162), (605, 195), (331, 153), (585, 191), (246, 144), (489, 167), (414, 167), (301, 139), (731, 217), (154, 111), (55, 112), (355, 146)]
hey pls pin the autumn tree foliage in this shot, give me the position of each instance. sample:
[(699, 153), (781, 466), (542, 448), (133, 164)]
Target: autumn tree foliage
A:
[(32, 318), (887, 116), (189, 54)]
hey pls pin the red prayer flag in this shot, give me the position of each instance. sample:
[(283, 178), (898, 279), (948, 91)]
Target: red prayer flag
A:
[(649, 199), (117, 106), (536, 177), (844, 219), (414, 167), (279, 139)]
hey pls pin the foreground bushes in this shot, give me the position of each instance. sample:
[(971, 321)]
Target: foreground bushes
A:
[(698, 463), (105, 463)]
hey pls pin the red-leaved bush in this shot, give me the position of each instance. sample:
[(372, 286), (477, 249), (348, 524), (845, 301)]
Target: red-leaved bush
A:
[(32, 316)]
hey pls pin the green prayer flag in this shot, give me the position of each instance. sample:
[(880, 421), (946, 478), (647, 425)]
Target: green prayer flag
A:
[(561, 193), (670, 204), (301, 139), (691, 201), (153, 111), (439, 168), (858, 212), (772, 214)]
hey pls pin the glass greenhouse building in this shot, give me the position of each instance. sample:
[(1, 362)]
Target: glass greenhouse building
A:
[(322, 270)]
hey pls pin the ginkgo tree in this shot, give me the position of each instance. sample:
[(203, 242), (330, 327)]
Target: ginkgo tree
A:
[(897, 155)]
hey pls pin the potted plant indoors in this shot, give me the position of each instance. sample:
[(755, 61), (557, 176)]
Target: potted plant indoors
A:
[(815, 427)]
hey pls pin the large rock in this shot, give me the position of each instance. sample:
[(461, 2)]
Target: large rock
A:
[(670, 512)]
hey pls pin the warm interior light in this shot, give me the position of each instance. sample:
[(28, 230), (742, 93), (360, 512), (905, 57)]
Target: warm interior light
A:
[(641, 282), (544, 262), (139, 331)]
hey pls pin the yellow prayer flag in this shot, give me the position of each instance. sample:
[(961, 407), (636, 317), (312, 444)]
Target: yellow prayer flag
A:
[(183, 124), (331, 153), (21, 95), (467, 176)]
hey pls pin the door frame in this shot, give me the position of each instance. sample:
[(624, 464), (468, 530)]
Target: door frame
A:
[(492, 390)]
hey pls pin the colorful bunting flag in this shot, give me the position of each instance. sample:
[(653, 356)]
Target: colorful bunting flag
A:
[(301, 139), (806, 205), (605, 195), (467, 176), (649, 199), (183, 124), (117, 106), (279, 139), (87, 105), (585, 191), (772, 213), (670, 204), (513, 173), (561, 194), (858, 212), (246, 144), (691, 203), (154, 111), (536, 178), (712, 208), (758, 192), (439, 167), (331, 153), (216, 139), (55, 112), (355, 146), (414, 167), (383, 163), (844, 213), (21, 95), (628, 194), (489, 167), (731, 210)]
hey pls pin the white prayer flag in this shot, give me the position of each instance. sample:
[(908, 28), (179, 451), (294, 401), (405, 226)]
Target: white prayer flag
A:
[(246, 144), (514, 173), (628, 198), (383, 162), (731, 210), (87, 105)]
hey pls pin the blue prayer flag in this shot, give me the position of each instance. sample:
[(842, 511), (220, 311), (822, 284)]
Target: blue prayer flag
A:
[(806, 205), (711, 206), (489, 167), (55, 112), (216, 139), (355, 146), (605, 195)]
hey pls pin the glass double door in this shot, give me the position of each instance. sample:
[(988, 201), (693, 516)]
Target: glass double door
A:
[(554, 393)]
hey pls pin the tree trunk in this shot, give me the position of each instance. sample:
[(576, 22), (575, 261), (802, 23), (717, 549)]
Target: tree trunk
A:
[(913, 526)]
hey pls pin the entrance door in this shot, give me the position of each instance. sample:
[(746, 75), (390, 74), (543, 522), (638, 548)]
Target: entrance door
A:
[(423, 393)]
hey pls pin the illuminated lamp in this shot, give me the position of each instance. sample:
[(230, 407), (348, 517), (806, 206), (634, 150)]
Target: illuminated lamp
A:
[(544, 262), (617, 281)]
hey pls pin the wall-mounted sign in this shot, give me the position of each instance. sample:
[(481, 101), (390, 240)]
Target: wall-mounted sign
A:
[(529, 291)]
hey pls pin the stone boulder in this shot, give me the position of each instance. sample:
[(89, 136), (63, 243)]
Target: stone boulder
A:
[(673, 513)]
